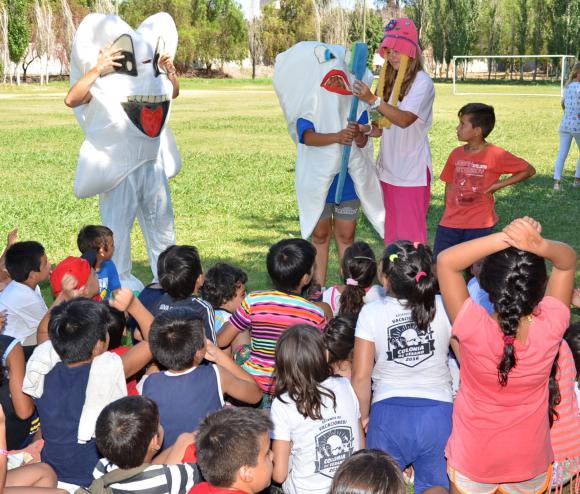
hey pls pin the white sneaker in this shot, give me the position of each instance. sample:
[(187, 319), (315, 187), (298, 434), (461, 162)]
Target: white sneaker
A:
[(557, 186)]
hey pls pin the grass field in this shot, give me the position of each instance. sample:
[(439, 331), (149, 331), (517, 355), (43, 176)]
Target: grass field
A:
[(235, 194)]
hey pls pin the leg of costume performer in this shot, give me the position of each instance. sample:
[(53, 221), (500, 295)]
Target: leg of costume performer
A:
[(155, 212), (118, 209)]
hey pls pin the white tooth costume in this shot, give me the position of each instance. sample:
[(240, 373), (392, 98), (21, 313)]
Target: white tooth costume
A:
[(127, 161), (298, 77)]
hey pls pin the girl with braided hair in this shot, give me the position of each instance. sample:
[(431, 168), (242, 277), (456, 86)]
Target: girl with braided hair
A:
[(401, 348), (501, 432)]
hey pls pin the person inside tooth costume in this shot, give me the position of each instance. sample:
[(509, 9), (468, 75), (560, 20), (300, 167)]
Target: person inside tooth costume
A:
[(122, 83), (313, 84)]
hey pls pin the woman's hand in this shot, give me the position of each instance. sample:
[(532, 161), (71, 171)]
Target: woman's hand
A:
[(364, 93)]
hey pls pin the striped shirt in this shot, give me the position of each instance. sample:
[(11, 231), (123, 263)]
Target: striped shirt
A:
[(156, 479), (267, 314)]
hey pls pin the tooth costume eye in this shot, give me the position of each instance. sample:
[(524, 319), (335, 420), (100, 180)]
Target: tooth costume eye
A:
[(124, 44), (323, 54), (159, 50)]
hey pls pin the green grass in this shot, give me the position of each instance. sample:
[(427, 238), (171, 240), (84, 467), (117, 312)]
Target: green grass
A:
[(235, 194)]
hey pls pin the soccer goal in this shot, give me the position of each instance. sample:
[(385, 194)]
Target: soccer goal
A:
[(511, 75)]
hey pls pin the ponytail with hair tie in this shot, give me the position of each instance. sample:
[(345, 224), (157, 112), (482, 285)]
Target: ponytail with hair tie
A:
[(359, 268)]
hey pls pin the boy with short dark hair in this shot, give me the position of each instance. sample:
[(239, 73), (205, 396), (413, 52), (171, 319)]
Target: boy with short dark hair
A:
[(28, 266), (128, 435), (233, 452), (100, 239), (472, 175), (72, 378), (181, 276), (224, 288), (268, 313), (191, 388)]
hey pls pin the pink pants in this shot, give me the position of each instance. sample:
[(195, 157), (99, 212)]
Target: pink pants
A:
[(406, 211)]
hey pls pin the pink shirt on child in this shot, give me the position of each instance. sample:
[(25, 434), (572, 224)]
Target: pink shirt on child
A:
[(502, 434)]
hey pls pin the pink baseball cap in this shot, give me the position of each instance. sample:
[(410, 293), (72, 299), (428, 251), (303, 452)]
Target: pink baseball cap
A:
[(400, 35)]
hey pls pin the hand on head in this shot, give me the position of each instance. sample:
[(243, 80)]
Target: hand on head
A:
[(524, 234)]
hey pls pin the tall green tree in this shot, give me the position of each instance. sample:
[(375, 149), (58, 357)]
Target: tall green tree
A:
[(436, 32), (18, 29), (522, 31), (372, 25)]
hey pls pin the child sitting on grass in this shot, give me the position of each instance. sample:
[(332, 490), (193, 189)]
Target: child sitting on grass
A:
[(359, 273), (100, 239), (181, 276), (72, 378), (472, 176), (21, 300), (191, 387), (267, 314), (129, 435), (224, 288), (233, 452)]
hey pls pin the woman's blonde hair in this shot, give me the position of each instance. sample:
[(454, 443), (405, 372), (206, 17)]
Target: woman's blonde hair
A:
[(414, 66), (573, 73)]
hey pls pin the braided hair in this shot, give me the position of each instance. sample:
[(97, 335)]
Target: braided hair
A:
[(515, 281), (408, 268)]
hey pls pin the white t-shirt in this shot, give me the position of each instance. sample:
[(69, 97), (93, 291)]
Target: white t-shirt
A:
[(405, 154), (24, 308), (318, 446), (331, 296), (408, 363)]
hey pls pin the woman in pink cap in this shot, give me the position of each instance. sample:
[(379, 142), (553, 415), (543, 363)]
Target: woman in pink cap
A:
[(405, 157)]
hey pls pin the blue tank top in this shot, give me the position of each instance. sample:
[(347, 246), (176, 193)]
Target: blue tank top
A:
[(60, 408), (184, 400)]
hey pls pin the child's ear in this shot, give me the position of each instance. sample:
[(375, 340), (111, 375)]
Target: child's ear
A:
[(199, 282), (100, 347), (246, 474)]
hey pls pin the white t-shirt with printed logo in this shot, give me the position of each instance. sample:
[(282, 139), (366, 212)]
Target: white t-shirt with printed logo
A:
[(408, 362), (318, 446), (405, 153)]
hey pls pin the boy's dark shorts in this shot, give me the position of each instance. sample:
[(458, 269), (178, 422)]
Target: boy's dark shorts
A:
[(448, 237)]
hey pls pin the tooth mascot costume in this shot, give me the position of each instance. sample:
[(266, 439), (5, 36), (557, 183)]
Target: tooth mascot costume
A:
[(313, 82), (128, 153)]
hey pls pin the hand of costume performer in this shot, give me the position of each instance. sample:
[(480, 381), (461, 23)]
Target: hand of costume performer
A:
[(107, 59), (524, 234), (345, 136), (166, 63), (364, 93)]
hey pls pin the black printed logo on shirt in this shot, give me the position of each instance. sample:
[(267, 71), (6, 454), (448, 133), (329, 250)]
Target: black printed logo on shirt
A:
[(333, 446), (408, 345)]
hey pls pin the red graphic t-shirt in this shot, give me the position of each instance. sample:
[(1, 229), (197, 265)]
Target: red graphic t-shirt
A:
[(468, 176)]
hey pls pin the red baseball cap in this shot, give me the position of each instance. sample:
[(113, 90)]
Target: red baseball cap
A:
[(400, 35), (77, 266)]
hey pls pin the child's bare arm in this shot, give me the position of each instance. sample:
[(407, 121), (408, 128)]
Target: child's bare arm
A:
[(362, 369), (140, 354), (69, 291), (512, 179), (235, 381), (175, 453), (524, 234), (452, 261), (281, 451), (226, 335), (312, 138)]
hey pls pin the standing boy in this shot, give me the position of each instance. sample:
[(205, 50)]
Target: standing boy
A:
[(472, 175)]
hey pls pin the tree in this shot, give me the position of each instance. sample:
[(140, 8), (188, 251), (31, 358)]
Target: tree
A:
[(276, 36), (418, 11), (462, 17), (490, 32), (373, 27), (522, 31), (255, 45), (538, 28), (436, 32), (18, 30)]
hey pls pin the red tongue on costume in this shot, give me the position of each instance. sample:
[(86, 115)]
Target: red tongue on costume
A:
[(152, 120)]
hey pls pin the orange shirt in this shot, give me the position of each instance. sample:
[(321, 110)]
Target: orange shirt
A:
[(468, 176), (502, 434)]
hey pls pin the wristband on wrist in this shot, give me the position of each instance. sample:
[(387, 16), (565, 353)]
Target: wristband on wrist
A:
[(376, 104), (4, 452), (370, 131)]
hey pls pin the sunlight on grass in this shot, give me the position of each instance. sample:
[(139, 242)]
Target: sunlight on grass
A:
[(235, 195)]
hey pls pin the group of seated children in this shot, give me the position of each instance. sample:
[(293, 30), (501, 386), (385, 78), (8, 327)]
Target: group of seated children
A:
[(231, 392)]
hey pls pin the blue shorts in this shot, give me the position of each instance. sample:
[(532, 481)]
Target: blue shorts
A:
[(448, 237), (414, 431)]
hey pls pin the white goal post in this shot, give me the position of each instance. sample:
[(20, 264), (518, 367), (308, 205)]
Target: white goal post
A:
[(563, 73)]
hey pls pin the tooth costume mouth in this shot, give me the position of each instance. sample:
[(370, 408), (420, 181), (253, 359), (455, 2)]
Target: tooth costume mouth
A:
[(147, 112), (336, 81)]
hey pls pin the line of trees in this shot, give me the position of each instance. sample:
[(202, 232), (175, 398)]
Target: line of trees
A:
[(213, 32)]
